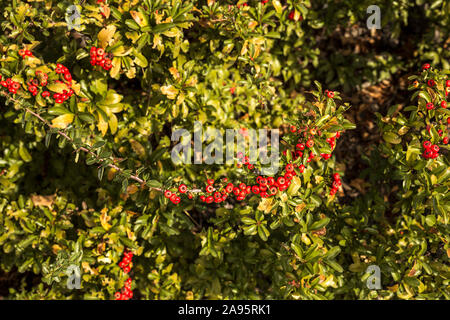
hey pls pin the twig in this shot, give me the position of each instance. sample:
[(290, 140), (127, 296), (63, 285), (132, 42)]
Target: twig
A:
[(65, 136)]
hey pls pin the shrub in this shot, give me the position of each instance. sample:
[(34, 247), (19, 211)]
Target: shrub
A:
[(90, 106)]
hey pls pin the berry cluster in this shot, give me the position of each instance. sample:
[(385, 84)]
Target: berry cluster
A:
[(336, 184), (25, 53), (10, 84), (172, 196), (38, 83), (100, 58), (426, 66), (217, 192), (264, 187), (330, 94), (431, 150), (126, 292)]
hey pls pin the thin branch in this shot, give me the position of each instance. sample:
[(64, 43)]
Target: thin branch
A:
[(86, 150)]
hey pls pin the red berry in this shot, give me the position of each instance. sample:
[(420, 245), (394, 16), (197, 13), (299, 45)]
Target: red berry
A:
[(281, 180), (426, 66), (435, 148), (242, 186), (182, 188), (270, 181), (447, 83), (336, 176), (291, 15), (431, 82), (426, 144), (210, 181), (126, 269), (273, 190), (293, 129), (209, 199), (300, 146), (330, 94), (209, 189), (444, 104), (255, 189), (167, 193), (289, 167), (236, 190), (445, 140), (310, 143), (430, 106)]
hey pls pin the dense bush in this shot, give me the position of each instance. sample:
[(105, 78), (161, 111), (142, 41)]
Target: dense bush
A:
[(87, 116)]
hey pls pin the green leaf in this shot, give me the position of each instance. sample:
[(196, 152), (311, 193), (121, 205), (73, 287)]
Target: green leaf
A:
[(86, 117), (392, 138), (248, 221), (263, 232), (319, 224), (100, 173), (154, 184), (48, 138), (163, 27), (24, 154), (333, 252), (128, 243), (58, 111), (333, 264), (425, 95)]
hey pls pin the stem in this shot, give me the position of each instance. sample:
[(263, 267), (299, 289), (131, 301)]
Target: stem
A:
[(65, 136)]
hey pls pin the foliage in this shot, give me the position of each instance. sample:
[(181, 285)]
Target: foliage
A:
[(83, 179)]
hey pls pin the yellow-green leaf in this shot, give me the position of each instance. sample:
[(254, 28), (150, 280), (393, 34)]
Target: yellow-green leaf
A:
[(63, 121), (57, 87), (105, 35)]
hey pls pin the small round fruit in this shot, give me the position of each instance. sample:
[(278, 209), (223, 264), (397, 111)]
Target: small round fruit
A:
[(182, 188)]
